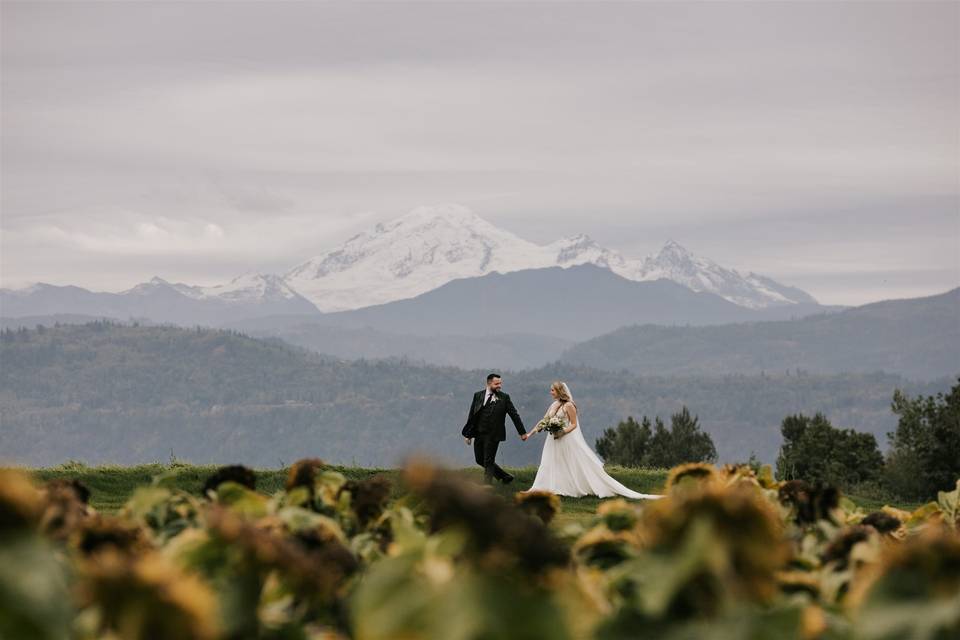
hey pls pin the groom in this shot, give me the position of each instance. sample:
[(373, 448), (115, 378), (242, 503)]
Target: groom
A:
[(486, 427)]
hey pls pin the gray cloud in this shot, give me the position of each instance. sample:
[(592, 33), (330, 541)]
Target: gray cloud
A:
[(814, 142)]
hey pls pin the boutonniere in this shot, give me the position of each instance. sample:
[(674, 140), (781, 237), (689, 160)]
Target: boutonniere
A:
[(493, 398)]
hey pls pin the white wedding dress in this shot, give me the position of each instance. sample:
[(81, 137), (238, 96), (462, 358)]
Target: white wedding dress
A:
[(569, 467)]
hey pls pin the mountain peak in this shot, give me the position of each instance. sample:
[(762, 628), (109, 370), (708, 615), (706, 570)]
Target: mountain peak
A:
[(448, 216), (434, 244), (674, 248), (447, 211)]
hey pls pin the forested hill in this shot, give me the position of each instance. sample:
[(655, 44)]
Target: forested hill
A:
[(918, 338), (109, 393)]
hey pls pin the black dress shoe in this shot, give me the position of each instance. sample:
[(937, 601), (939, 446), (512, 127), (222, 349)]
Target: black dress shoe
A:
[(507, 480)]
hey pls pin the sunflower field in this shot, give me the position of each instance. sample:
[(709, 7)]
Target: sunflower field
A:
[(726, 553)]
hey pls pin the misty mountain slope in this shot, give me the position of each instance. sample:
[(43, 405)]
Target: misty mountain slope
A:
[(509, 351), (161, 301), (30, 322), (575, 303), (103, 393), (918, 338)]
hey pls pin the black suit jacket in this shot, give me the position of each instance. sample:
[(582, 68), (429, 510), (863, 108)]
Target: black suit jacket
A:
[(501, 409)]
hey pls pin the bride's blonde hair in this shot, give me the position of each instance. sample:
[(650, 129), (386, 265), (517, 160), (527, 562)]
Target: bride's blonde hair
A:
[(563, 391)]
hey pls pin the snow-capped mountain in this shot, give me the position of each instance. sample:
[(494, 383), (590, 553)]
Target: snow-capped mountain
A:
[(248, 296), (419, 252), (675, 263), (431, 246), (251, 288), (409, 256)]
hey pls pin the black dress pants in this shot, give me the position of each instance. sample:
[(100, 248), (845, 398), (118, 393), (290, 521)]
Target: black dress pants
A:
[(485, 453)]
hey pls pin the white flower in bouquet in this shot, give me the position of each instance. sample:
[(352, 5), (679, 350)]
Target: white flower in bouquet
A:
[(555, 425)]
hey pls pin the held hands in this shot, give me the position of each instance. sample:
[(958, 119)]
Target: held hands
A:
[(469, 441)]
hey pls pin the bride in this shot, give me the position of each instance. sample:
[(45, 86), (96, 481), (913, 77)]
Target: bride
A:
[(568, 466)]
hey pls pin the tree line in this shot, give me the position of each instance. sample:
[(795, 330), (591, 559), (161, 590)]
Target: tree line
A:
[(923, 458)]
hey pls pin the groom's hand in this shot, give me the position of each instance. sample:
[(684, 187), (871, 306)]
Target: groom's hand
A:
[(469, 441)]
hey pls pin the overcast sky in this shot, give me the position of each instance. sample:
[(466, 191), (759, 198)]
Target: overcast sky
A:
[(816, 143)]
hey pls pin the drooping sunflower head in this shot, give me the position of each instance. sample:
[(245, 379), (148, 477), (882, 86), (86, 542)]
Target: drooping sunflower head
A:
[(21, 503), (146, 596), (367, 497), (691, 475), (500, 534), (809, 503), (742, 528), (65, 508), (238, 473), (101, 533), (837, 552), (303, 472), (882, 522), (618, 515), (920, 576), (542, 504)]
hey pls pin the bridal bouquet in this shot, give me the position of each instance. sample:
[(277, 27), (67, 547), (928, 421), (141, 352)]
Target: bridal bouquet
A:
[(554, 425)]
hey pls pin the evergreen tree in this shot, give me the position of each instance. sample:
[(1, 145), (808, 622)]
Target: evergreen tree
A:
[(635, 444), (689, 443), (660, 446), (924, 452), (626, 444), (816, 451)]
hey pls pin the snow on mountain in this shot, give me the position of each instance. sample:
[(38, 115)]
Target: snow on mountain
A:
[(433, 245), (413, 254), (675, 263), (255, 288)]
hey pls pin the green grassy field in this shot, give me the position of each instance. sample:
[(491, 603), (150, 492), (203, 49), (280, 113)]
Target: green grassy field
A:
[(111, 485)]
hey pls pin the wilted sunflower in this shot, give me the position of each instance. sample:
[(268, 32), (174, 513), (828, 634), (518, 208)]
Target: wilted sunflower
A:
[(147, 598), (603, 548), (618, 515), (499, 533), (691, 474), (737, 471), (742, 524), (65, 508), (882, 522), (303, 472), (542, 504), (312, 563), (21, 504), (100, 533), (809, 503), (913, 591), (367, 497), (231, 473), (838, 551), (72, 484)]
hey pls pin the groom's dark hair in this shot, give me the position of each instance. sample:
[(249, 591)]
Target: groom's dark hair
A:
[(492, 376)]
